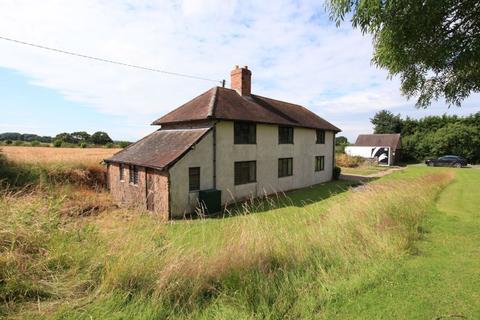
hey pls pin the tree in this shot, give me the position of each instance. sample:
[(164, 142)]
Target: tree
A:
[(80, 136), (100, 137), (65, 137), (341, 141), (386, 122), (432, 45), (458, 139)]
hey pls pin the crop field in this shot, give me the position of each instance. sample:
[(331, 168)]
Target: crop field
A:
[(62, 156), (332, 251)]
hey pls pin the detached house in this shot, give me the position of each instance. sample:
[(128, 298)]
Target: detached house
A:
[(220, 147)]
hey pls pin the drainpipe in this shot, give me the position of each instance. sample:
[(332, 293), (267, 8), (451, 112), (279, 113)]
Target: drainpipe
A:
[(214, 135), (333, 154)]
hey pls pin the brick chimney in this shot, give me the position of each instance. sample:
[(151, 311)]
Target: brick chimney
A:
[(241, 80)]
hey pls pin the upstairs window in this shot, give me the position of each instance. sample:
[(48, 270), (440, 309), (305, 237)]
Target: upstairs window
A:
[(245, 133), (245, 172), (194, 179), (320, 136), (319, 163), (285, 167), (133, 174), (285, 135), (121, 169)]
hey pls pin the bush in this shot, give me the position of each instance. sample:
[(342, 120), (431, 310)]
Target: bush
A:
[(18, 143), (346, 161), (123, 144), (57, 143), (83, 145), (336, 172), (8, 142), (109, 145), (35, 143)]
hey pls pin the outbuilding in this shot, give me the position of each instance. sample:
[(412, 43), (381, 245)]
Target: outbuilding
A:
[(383, 148)]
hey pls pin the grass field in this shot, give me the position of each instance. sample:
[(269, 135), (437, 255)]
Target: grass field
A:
[(63, 156), (330, 251)]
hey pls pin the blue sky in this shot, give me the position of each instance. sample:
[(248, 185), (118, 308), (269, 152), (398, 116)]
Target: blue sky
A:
[(295, 53)]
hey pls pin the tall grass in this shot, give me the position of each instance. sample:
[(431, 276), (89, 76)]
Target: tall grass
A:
[(21, 174), (286, 266)]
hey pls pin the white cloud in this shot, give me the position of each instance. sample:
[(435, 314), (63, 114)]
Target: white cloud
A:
[(294, 54)]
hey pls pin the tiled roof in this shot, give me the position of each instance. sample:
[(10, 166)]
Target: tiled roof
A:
[(380, 140), (160, 149), (227, 104)]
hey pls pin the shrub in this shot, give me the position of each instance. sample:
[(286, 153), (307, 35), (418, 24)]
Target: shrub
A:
[(124, 144), (83, 145), (18, 143), (347, 161), (336, 172), (35, 143), (109, 145), (57, 143), (8, 142)]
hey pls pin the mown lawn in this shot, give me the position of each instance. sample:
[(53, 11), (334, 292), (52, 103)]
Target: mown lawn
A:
[(441, 279)]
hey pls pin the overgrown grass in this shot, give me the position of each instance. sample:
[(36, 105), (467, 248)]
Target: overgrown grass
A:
[(18, 174), (290, 262)]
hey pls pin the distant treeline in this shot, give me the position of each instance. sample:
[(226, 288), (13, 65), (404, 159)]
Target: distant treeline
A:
[(78, 138), (433, 136)]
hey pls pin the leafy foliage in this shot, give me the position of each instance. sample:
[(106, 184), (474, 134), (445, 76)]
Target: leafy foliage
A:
[(433, 136), (433, 45), (78, 138), (100, 137), (386, 122)]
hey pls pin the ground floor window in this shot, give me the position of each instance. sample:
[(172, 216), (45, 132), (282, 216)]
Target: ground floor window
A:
[(194, 179), (285, 167), (319, 163), (245, 172), (133, 174)]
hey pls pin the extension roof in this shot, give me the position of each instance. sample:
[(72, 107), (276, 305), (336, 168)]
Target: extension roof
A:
[(379, 140), (160, 149), (226, 104)]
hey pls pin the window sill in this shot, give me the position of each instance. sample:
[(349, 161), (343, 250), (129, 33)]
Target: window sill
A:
[(291, 175), (244, 184)]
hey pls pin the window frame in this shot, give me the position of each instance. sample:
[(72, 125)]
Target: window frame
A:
[(133, 174), (290, 135), (236, 174), (320, 139), (238, 135), (282, 171), (190, 175), (319, 163)]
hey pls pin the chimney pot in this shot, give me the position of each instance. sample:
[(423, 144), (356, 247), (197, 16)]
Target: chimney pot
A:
[(241, 80)]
